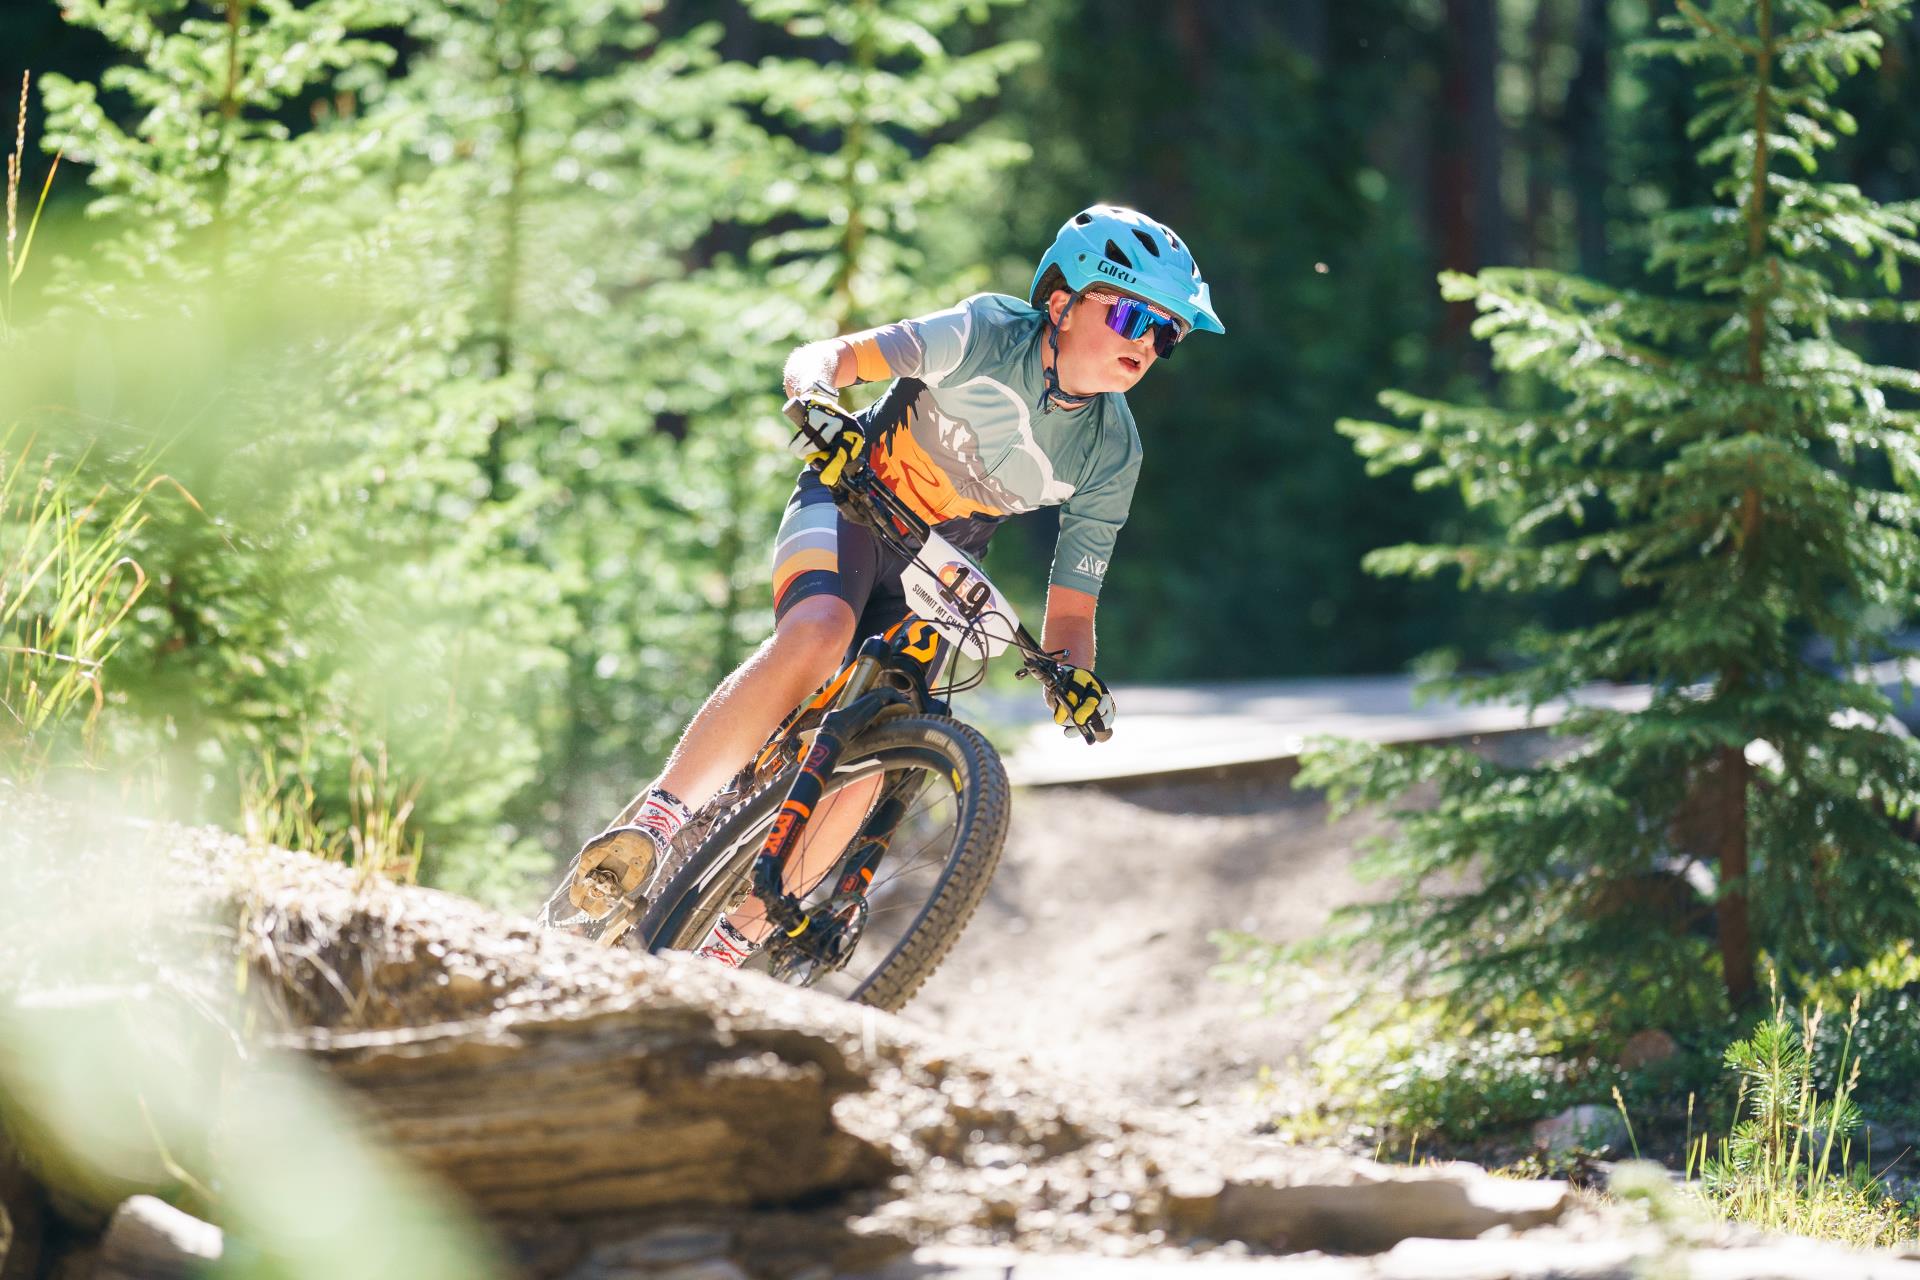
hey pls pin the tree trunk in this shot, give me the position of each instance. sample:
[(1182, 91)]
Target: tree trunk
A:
[(1736, 940), (1468, 215), (852, 150), (1543, 134), (507, 282), (1730, 814), (729, 550), (1586, 121)]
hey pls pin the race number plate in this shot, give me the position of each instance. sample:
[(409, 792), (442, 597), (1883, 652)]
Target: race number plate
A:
[(956, 597)]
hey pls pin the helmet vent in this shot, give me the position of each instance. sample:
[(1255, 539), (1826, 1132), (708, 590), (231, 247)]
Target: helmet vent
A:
[(1115, 255), (1082, 219), (1173, 240), (1146, 240)]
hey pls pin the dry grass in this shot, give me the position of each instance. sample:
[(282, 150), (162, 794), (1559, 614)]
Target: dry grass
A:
[(281, 807), (16, 167), (66, 585)]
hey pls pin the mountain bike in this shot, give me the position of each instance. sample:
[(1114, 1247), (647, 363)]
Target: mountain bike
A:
[(868, 825)]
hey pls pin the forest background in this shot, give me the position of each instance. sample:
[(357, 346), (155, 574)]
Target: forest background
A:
[(455, 328)]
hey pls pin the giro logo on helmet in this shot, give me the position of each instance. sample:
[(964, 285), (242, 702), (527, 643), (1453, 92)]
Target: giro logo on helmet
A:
[(1106, 268)]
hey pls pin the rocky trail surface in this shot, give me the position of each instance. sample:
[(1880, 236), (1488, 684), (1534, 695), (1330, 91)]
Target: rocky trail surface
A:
[(604, 1116)]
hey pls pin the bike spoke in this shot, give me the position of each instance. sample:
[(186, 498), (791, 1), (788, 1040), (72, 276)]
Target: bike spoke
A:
[(899, 868)]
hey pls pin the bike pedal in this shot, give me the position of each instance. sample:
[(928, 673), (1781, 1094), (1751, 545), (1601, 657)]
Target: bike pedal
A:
[(593, 895), (613, 867)]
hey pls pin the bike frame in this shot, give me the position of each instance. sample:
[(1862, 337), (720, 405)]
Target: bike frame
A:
[(892, 674)]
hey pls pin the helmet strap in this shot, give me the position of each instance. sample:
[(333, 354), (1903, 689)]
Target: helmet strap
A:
[(1056, 395)]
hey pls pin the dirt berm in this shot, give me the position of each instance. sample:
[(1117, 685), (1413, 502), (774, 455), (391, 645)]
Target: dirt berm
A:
[(613, 1115)]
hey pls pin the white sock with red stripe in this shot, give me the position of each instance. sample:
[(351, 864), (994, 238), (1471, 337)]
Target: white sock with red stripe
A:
[(727, 945), (662, 813)]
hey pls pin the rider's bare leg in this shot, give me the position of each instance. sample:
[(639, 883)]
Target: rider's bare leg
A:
[(806, 648)]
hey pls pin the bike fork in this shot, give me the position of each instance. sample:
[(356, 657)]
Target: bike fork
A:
[(769, 867), (856, 704)]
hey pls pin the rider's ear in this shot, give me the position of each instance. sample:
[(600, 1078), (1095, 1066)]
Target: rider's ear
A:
[(1057, 303)]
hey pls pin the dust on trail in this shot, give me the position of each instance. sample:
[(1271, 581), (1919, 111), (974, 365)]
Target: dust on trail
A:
[(1090, 955)]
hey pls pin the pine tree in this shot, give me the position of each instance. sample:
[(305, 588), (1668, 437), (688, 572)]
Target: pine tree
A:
[(1751, 481), (207, 181), (210, 150), (614, 371), (322, 605), (896, 106)]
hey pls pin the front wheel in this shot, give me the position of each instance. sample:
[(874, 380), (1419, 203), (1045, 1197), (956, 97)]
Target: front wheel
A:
[(924, 889)]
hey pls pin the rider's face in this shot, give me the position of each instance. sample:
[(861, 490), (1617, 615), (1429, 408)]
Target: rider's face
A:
[(1093, 358)]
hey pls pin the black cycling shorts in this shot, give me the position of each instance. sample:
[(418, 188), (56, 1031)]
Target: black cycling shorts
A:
[(819, 552)]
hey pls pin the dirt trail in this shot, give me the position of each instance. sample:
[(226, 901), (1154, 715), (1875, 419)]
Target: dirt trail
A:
[(1090, 955)]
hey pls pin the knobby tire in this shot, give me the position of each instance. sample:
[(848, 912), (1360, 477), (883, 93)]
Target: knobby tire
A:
[(696, 893)]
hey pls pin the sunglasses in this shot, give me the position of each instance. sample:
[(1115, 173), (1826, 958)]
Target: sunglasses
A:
[(1130, 318)]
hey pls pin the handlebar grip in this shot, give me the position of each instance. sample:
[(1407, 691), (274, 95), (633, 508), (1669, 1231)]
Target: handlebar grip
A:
[(1095, 728), (796, 411)]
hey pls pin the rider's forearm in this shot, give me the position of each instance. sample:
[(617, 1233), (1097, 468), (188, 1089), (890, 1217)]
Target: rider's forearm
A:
[(1068, 626), (819, 364)]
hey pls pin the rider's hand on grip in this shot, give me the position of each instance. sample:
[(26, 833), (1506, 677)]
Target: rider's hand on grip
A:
[(827, 440), (1082, 703)]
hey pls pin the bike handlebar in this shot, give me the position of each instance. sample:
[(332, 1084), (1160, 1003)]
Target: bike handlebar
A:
[(876, 505)]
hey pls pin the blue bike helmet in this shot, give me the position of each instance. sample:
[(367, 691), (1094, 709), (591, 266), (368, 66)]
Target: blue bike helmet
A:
[(1116, 246)]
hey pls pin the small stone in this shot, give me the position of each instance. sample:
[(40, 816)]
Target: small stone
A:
[(1588, 1127), (1645, 1048), (666, 1246)]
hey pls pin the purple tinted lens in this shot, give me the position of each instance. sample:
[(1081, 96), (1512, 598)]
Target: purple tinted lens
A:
[(1130, 318)]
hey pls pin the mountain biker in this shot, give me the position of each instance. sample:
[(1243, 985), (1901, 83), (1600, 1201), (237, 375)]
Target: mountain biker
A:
[(996, 407)]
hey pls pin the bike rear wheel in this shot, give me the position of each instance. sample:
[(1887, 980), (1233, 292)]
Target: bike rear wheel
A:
[(924, 889)]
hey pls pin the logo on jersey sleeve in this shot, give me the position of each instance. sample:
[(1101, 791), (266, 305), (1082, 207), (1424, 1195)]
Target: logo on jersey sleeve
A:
[(1092, 566)]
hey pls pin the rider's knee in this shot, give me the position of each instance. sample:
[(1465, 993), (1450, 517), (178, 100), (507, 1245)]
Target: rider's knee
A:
[(815, 638)]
